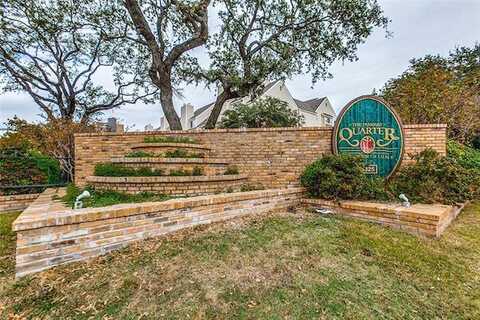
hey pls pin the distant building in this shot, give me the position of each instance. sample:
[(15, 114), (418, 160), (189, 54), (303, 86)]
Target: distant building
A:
[(317, 112), (112, 125)]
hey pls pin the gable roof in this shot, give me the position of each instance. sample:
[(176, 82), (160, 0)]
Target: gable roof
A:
[(201, 109), (309, 105)]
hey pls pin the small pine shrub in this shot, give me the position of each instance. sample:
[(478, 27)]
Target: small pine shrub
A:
[(231, 170)]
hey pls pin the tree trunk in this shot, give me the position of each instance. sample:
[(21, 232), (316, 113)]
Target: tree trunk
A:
[(166, 99), (217, 108)]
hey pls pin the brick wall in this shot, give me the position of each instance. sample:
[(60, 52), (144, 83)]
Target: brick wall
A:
[(274, 156), (48, 234), (16, 202)]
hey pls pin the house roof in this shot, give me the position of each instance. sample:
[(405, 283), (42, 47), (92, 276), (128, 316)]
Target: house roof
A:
[(309, 105), (205, 107), (201, 109)]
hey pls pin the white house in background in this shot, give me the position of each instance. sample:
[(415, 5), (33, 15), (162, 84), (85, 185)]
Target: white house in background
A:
[(317, 112)]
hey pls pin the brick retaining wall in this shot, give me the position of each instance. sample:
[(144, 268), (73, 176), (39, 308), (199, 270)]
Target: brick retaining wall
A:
[(428, 220), (16, 202), (274, 157), (48, 234), (183, 185)]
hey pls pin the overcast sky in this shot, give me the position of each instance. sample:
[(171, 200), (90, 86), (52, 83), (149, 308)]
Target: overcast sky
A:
[(419, 27)]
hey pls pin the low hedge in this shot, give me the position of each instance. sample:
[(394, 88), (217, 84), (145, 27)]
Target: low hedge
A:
[(177, 153), (431, 179), (335, 177), (109, 169), (169, 139), (114, 170)]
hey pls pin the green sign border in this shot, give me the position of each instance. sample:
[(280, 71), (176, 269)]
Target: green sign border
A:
[(395, 115)]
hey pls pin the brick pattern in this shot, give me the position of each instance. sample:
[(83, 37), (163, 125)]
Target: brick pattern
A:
[(419, 137), (274, 157), (16, 202), (48, 234), (420, 219), (187, 185)]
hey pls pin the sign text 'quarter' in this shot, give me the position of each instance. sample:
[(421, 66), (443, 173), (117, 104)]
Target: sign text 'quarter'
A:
[(369, 128)]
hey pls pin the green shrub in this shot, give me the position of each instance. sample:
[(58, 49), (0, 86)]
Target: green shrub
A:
[(466, 156), (262, 113), (169, 139), (109, 169), (335, 177), (141, 154), (21, 165), (181, 153), (436, 179), (231, 170)]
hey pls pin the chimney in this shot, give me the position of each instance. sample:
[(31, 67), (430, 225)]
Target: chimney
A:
[(112, 124), (186, 113)]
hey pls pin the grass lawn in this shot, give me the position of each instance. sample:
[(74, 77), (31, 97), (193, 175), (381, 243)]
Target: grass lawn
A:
[(284, 266)]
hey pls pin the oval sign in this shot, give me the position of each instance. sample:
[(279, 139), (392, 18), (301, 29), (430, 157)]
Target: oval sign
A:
[(368, 127)]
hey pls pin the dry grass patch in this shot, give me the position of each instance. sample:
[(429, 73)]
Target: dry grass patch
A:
[(289, 265)]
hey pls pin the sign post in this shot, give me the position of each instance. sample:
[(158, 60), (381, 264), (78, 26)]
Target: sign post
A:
[(368, 127)]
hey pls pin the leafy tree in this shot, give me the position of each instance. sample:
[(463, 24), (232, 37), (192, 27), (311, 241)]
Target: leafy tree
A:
[(262, 113), (54, 138), (165, 32), (435, 89), (54, 49), (262, 40)]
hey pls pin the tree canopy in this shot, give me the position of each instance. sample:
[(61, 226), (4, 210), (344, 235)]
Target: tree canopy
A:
[(165, 31), (54, 49), (263, 40), (262, 113), (437, 89)]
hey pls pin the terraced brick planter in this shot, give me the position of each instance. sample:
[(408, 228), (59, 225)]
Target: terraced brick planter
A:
[(183, 185), (212, 179)]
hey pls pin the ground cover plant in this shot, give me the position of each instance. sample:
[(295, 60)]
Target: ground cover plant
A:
[(169, 139), (108, 169), (103, 198), (177, 153), (142, 154), (283, 266), (180, 153)]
